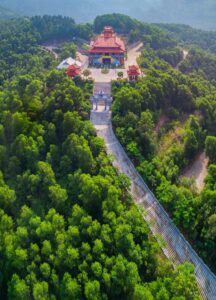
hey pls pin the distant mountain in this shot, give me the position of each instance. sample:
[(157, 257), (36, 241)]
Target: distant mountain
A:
[(199, 13), (6, 13)]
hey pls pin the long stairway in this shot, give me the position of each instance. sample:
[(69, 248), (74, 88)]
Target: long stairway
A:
[(176, 248)]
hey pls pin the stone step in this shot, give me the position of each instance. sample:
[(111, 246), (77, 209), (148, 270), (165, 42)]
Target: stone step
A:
[(177, 249), (102, 86), (101, 118)]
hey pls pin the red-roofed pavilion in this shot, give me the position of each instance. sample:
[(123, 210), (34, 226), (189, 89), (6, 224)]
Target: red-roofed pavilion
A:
[(133, 72), (73, 71), (108, 49)]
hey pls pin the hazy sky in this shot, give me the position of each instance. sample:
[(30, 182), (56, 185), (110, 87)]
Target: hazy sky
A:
[(200, 13)]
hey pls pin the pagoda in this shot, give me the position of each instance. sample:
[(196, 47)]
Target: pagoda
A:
[(133, 73), (107, 50), (73, 71)]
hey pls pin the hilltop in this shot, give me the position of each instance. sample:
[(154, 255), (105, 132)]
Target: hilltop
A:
[(69, 228)]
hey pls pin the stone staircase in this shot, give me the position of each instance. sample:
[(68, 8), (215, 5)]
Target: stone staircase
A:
[(102, 86), (100, 118), (175, 246)]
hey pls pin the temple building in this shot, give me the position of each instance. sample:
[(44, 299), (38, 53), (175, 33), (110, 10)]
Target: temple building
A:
[(68, 62), (107, 50)]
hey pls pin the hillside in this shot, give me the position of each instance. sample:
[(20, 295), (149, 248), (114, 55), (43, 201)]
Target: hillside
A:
[(199, 13), (6, 13)]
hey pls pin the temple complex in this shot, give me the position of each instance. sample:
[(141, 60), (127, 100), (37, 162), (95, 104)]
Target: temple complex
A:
[(108, 49)]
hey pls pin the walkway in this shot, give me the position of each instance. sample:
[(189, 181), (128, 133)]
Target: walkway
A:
[(185, 55), (134, 51), (177, 249), (51, 49)]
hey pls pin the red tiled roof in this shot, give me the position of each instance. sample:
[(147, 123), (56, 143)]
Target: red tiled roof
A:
[(105, 49), (73, 67), (133, 70), (73, 70), (107, 41)]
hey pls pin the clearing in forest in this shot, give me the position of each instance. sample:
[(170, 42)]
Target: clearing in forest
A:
[(198, 170)]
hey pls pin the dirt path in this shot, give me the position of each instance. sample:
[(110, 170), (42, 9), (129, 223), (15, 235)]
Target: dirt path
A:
[(162, 120), (51, 48), (185, 55), (134, 51), (198, 170), (83, 59)]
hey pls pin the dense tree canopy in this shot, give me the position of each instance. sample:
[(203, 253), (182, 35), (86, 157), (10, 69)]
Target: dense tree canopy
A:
[(20, 52), (65, 219), (164, 121), (68, 227), (201, 62), (190, 36)]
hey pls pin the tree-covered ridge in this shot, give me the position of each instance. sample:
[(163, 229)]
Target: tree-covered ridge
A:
[(202, 62), (19, 50), (191, 36), (200, 13), (21, 39), (164, 120), (60, 28)]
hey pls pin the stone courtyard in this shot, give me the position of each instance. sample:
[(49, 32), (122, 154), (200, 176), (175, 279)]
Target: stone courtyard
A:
[(97, 75)]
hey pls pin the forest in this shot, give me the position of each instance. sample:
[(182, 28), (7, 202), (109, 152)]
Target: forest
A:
[(164, 121), (68, 226)]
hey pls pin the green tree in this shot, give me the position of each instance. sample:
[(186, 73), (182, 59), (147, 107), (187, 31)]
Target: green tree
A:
[(41, 290), (57, 195), (127, 99), (7, 197), (92, 290), (191, 144), (146, 134), (141, 292), (18, 289), (45, 270), (182, 275), (120, 74), (68, 50), (86, 73), (70, 289), (210, 147)]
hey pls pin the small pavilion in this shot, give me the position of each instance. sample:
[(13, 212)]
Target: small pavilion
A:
[(133, 73), (73, 71)]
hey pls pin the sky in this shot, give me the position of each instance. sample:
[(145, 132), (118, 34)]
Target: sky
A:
[(199, 13)]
